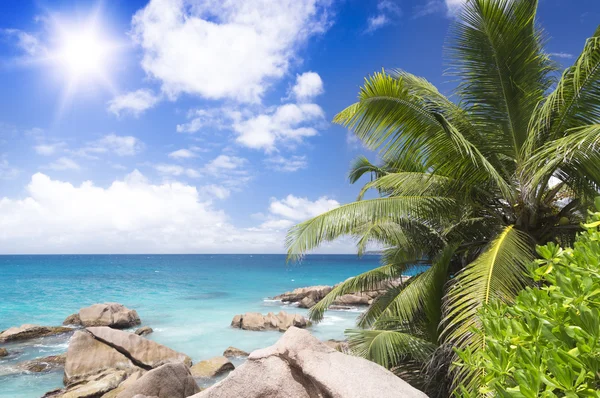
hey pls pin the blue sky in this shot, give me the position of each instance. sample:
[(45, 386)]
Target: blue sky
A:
[(200, 126)]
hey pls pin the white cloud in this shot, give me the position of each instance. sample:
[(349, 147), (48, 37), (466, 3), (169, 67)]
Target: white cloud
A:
[(131, 215), (280, 163), (176, 170), (112, 143), (376, 22), (387, 11), (224, 162), (215, 117), (7, 171), (561, 55), (454, 6), (216, 191), (299, 209), (135, 102), (27, 42), (308, 85), (286, 212), (48, 149), (182, 154), (224, 49), (64, 163), (286, 123)]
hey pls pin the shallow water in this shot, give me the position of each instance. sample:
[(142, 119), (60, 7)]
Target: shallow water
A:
[(189, 300)]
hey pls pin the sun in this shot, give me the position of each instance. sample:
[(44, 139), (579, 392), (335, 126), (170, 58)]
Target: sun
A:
[(84, 53)]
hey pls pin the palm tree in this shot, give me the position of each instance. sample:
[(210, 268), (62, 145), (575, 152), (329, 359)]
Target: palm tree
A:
[(471, 183)]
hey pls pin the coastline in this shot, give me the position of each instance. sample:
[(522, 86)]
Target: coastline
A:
[(189, 314)]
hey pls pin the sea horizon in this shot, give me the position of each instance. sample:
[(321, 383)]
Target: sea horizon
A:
[(188, 299)]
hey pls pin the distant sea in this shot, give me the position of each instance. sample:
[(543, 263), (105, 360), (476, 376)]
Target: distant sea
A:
[(189, 300)]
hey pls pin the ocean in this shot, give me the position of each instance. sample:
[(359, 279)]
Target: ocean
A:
[(189, 300)]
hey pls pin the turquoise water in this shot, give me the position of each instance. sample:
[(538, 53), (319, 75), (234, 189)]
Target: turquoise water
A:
[(189, 300)]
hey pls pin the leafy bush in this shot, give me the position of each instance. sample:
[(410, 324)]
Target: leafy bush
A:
[(547, 343)]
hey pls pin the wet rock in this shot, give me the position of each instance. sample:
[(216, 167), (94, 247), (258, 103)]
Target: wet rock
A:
[(212, 367), (45, 364), (93, 386), (113, 315), (171, 380), (316, 293), (28, 331), (256, 321), (3, 352), (232, 352), (300, 366), (144, 331)]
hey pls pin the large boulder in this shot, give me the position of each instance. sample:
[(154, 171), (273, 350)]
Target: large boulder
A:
[(300, 366), (316, 293), (87, 357), (212, 367), (146, 353), (45, 364), (353, 299), (171, 380), (232, 352), (98, 349), (114, 315), (28, 331), (256, 321)]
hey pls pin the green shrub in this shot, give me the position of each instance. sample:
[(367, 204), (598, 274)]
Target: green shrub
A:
[(547, 343)]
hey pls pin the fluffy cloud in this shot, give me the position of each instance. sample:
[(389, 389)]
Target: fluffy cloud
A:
[(135, 102), (308, 85), (283, 213), (112, 143), (224, 49), (129, 216), (298, 209), (289, 123), (280, 163), (216, 191), (182, 154), (64, 163), (224, 162)]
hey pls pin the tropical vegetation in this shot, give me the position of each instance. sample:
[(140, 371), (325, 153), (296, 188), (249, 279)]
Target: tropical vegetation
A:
[(468, 184), (547, 343)]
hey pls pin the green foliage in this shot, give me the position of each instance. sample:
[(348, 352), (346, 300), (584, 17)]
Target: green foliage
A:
[(472, 174), (546, 344)]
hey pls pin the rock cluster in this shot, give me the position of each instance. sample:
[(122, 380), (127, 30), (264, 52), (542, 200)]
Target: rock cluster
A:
[(306, 297), (101, 360), (300, 366), (113, 315), (28, 331), (256, 321)]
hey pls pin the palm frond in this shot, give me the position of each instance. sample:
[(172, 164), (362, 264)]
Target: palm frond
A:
[(346, 219), (369, 280), (388, 348), (496, 53)]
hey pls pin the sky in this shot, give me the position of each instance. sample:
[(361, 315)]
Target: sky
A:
[(201, 126)]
